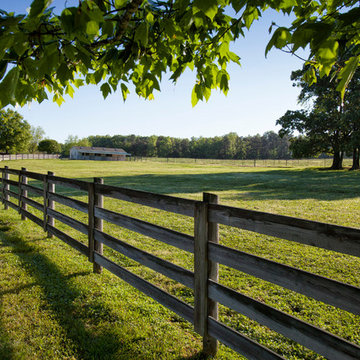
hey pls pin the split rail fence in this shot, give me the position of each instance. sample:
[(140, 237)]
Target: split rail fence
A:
[(208, 253)]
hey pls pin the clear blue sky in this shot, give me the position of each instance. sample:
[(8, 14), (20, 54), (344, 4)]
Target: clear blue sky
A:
[(260, 92)]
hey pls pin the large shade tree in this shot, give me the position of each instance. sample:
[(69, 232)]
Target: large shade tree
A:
[(330, 124), (15, 135), (49, 146), (114, 43)]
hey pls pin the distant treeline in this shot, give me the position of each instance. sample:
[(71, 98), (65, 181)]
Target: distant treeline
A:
[(230, 146)]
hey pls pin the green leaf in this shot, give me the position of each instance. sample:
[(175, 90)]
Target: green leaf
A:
[(84, 57), (194, 96), (141, 34), (286, 5), (107, 28), (222, 79), (351, 16), (37, 7), (58, 99), (224, 50), (8, 86), (235, 58), (67, 19), (98, 75), (105, 89), (70, 52), (49, 61), (5, 44), (310, 76), (3, 67), (327, 56), (250, 14), (92, 27), (78, 82), (63, 73), (208, 7), (328, 51), (198, 20), (124, 91), (150, 18), (120, 3), (207, 93), (69, 90), (280, 38), (346, 74), (283, 37), (238, 4)]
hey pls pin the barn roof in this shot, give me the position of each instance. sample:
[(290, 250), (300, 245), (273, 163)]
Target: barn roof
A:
[(100, 150)]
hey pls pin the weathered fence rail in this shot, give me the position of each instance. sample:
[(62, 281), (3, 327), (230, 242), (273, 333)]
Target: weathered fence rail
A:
[(38, 156), (208, 254)]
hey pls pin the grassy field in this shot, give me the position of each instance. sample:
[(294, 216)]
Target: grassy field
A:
[(53, 307)]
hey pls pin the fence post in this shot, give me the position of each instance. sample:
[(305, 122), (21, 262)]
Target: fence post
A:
[(210, 344), (22, 193), (2, 184), (95, 223), (51, 203), (48, 220), (204, 270), (200, 267), (6, 187)]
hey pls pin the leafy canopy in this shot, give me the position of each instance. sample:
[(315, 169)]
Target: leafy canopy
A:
[(15, 135), (49, 146), (330, 124), (114, 43), (37, 134)]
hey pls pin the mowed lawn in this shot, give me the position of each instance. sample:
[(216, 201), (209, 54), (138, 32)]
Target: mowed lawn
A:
[(53, 307)]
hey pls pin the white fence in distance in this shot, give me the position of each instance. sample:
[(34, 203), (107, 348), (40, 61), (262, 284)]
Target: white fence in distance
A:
[(37, 156)]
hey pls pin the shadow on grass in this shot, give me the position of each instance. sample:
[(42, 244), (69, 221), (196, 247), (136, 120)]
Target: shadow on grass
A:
[(255, 185), (28, 286), (6, 348), (64, 300), (199, 356)]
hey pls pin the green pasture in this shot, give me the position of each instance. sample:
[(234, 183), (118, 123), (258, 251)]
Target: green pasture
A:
[(53, 307)]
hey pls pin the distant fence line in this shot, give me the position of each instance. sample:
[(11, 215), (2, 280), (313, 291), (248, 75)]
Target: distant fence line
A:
[(208, 254), (248, 162), (38, 156), (347, 162)]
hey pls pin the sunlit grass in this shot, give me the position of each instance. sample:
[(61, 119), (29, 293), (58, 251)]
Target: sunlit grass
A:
[(52, 306)]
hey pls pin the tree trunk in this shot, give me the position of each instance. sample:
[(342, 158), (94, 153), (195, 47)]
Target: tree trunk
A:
[(355, 164), (337, 160)]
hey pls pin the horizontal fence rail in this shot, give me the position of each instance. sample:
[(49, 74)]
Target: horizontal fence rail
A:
[(332, 237), (208, 254), (39, 156)]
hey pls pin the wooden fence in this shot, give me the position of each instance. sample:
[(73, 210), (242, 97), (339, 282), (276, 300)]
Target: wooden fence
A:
[(208, 253), (274, 163), (37, 156)]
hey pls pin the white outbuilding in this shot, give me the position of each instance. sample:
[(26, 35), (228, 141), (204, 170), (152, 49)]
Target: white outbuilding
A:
[(98, 153)]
